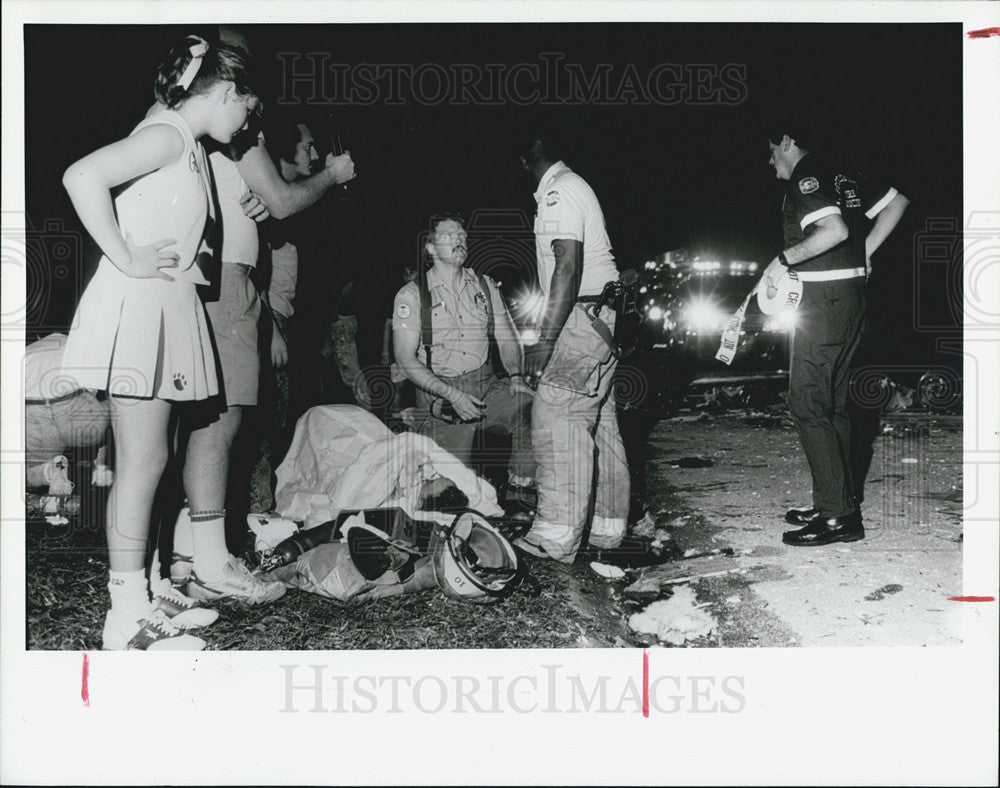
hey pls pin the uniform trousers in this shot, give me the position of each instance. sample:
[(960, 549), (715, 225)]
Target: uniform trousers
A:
[(829, 329), (574, 429)]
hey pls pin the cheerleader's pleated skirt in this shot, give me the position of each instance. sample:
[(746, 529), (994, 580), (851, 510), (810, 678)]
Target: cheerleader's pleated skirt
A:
[(141, 338)]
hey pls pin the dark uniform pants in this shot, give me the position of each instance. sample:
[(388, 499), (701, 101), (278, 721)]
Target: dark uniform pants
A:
[(830, 325)]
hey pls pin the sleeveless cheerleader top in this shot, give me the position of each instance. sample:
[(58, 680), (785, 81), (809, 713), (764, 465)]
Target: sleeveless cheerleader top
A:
[(174, 201)]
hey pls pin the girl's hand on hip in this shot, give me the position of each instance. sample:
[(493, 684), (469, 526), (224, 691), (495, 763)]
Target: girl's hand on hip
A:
[(148, 262)]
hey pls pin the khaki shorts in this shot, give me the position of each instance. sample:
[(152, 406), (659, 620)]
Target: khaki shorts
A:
[(234, 320)]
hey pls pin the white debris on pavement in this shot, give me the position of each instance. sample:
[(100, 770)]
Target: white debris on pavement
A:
[(607, 570), (646, 526), (675, 620)]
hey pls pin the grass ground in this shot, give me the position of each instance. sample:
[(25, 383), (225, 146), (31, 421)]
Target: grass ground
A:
[(780, 597), (67, 598)]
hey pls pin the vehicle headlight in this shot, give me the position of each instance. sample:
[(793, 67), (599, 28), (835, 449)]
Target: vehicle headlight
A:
[(704, 314)]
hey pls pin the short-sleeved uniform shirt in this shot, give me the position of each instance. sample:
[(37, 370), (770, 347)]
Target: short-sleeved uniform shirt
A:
[(568, 209), (816, 190), (239, 231), (459, 341)]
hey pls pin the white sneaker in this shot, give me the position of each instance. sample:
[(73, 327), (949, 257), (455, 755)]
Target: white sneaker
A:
[(152, 632), (237, 582), (183, 612)]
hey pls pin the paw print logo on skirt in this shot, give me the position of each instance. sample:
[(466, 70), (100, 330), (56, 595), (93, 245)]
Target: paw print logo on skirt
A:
[(180, 382)]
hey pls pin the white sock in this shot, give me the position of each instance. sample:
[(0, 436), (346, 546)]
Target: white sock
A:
[(183, 537), (129, 597), (211, 555)]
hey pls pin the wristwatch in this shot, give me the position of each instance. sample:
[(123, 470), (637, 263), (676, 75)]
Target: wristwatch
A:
[(782, 259)]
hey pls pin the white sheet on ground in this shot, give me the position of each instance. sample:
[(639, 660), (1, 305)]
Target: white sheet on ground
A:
[(343, 457)]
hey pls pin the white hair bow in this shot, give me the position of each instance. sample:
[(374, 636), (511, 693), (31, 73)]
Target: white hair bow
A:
[(198, 52)]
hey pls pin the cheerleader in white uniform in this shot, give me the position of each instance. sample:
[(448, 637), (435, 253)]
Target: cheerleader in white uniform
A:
[(140, 331)]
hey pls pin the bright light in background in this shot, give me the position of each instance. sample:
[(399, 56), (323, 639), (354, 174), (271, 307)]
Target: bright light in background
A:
[(785, 320), (752, 267), (531, 306), (654, 313), (703, 314), (529, 337)]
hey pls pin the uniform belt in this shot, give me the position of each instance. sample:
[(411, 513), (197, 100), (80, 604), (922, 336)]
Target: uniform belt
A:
[(830, 276), (53, 400)]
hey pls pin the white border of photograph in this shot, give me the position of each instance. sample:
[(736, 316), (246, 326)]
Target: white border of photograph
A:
[(756, 716)]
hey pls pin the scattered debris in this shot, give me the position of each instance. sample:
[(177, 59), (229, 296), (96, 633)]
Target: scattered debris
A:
[(902, 398), (879, 594), (37, 505), (733, 600), (695, 553), (909, 461), (690, 462), (652, 578), (607, 570), (56, 473), (646, 526), (675, 620), (103, 476), (661, 537), (270, 530)]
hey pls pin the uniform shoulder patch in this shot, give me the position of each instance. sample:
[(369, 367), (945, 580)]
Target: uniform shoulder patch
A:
[(808, 185), (403, 310), (552, 197)]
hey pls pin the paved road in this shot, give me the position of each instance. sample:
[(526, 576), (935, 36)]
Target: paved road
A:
[(891, 589)]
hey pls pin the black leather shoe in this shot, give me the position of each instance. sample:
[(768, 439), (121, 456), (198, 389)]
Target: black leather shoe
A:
[(821, 530), (800, 516)]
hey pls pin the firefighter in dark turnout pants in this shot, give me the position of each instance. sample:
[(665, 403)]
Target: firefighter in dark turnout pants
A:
[(825, 215)]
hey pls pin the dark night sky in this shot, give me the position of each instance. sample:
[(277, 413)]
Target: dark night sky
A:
[(667, 176)]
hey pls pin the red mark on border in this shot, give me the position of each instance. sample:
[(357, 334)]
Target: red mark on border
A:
[(986, 32), (84, 686), (645, 683), (971, 599)]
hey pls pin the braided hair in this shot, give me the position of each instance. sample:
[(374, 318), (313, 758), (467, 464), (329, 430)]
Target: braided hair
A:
[(219, 63)]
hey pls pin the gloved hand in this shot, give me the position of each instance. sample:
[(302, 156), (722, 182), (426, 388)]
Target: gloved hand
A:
[(537, 356)]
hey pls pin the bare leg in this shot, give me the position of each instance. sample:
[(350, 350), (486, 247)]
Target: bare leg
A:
[(206, 470), (141, 442), (140, 428), (206, 476)]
